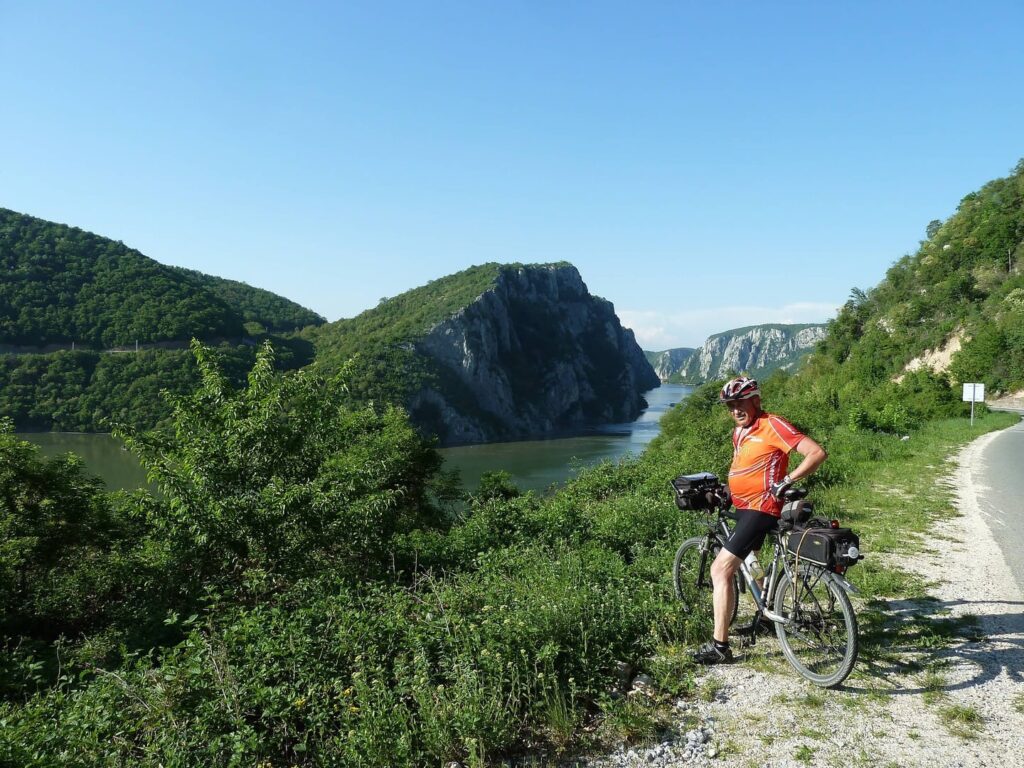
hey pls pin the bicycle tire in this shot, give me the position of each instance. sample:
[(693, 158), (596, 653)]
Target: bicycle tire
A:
[(692, 581), (819, 638)]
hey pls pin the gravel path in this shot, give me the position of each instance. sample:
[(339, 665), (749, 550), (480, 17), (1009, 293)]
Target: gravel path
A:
[(759, 713)]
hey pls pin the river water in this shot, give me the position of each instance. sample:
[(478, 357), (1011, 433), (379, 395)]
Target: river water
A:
[(534, 464)]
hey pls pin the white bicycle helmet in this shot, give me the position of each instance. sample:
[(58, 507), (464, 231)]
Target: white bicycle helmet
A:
[(740, 388)]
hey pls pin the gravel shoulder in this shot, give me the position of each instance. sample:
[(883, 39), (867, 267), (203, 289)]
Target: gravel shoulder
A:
[(964, 708)]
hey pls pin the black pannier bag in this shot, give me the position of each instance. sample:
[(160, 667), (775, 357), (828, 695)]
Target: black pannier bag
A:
[(697, 492), (830, 547)]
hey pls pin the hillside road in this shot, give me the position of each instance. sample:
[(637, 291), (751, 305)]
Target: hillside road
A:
[(1000, 479)]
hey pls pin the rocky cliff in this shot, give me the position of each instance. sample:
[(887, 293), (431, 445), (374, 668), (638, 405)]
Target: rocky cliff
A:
[(756, 350), (535, 354), (668, 363)]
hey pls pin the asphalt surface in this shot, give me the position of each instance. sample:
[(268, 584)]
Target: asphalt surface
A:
[(1002, 499)]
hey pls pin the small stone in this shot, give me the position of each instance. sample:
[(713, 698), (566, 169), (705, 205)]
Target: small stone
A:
[(643, 681), (712, 751)]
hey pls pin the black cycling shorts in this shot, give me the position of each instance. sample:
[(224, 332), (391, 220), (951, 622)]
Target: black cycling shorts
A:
[(749, 532)]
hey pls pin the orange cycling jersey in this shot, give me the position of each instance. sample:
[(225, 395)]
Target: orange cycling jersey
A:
[(760, 458)]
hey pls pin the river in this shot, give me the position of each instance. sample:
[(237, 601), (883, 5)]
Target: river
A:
[(533, 464)]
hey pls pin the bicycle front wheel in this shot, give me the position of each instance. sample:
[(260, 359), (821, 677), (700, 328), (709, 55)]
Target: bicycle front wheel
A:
[(691, 576), (819, 636)]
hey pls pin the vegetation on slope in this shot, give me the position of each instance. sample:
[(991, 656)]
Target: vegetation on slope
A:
[(261, 310), (62, 285), (382, 337), (89, 391), (967, 277)]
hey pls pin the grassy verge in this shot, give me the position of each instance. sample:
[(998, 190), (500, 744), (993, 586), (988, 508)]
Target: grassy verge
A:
[(900, 500)]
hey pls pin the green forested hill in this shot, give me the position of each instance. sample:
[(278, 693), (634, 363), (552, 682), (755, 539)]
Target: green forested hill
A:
[(261, 310), (382, 336), (966, 279), (408, 316), (495, 352), (61, 284)]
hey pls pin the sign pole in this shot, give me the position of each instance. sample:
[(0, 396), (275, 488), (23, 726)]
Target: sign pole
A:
[(974, 392)]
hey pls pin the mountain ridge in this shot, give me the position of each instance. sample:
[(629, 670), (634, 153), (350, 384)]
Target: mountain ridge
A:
[(495, 352), (756, 350), (498, 352)]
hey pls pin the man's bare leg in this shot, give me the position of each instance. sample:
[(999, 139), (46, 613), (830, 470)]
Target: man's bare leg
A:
[(723, 569)]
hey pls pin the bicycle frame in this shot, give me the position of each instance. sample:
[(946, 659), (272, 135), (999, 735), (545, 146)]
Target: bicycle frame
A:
[(762, 598), (814, 620)]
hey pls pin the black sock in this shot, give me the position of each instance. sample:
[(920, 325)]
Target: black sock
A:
[(719, 645)]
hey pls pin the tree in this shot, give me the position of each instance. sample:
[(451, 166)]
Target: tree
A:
[(282, 475)]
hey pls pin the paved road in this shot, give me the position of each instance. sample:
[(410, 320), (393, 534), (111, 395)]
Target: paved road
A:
[(1002, 503)]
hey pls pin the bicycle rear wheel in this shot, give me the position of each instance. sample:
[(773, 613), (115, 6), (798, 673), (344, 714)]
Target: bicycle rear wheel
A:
[(819, 637), (691, 576)]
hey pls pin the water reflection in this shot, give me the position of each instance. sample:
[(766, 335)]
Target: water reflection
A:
[(534, 464), (104, 456), (537, 464)]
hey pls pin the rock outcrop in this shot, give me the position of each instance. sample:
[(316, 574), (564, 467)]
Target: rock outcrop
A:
[(534, 355), (755, 350), (669, 362)]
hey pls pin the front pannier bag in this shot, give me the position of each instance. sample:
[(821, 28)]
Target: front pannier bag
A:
[(697, 492), (830, 547)]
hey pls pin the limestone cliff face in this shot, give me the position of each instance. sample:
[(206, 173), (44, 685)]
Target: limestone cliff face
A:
[(756, 350), (534, 355), (669, 362)]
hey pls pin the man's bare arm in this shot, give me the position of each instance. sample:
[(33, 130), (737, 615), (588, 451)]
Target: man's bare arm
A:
[(814, 456)]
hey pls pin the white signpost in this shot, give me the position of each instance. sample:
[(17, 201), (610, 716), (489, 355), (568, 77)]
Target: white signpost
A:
[(974, 393)]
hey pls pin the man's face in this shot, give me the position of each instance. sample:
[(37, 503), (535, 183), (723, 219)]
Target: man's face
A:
[(744, 412)]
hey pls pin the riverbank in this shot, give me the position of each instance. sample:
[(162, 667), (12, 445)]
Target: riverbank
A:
[(939, 681)]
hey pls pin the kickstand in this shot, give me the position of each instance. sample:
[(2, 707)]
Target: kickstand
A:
[(748, 633)]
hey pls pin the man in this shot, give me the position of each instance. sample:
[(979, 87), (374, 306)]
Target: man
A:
[(758, 477)]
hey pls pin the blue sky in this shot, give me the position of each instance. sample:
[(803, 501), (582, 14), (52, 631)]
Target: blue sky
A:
[(704, 165)]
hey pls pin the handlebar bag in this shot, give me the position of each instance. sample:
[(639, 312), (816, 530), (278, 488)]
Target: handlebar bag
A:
[(697, 492)]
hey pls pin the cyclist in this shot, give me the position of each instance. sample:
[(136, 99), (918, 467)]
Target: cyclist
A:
[(758, 477)]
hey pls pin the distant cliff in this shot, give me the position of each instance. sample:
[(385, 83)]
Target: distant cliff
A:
[(668, 363), (500, 352), (756, 350)]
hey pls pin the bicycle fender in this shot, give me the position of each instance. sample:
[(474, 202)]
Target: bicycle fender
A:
[(846, 585)]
